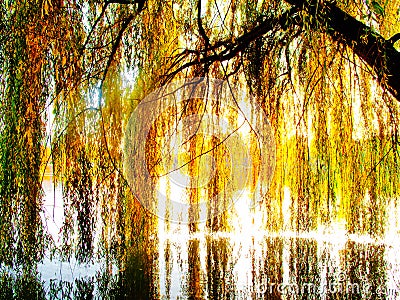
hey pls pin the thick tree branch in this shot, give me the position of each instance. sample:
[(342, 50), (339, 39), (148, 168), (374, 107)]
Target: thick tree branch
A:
[(394, 39), (202, 34), (377, 52), (200, 25)]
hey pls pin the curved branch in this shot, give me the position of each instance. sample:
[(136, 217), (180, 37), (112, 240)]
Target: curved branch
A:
[(371, 47), (377, 52), (115, 46), (200, 25), (103, 11), (232, 49)]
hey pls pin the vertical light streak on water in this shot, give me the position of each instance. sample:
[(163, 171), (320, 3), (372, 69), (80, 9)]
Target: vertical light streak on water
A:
[(53, 208), (286, 276)]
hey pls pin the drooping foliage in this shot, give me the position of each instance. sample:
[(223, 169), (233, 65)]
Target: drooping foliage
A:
[(72, 72)]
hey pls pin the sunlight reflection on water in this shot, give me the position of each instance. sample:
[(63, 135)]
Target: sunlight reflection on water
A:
[(249, 262)]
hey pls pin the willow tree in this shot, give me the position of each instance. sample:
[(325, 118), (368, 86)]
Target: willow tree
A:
[(327, 74)]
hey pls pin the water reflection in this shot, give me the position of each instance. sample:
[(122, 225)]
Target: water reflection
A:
[(164, 260), (223, 266)]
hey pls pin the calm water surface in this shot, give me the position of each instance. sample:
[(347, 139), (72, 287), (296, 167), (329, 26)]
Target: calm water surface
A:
[(247, 263)]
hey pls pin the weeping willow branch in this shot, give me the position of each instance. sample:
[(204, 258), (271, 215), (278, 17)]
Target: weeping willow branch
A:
[(375, 50), (116, 44), (232, 49)]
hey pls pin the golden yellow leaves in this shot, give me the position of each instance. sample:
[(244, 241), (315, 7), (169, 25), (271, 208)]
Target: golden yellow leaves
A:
[(63, 61), (46, 7)]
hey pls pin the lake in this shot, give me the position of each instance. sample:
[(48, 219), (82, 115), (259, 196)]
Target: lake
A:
[(246, 263)]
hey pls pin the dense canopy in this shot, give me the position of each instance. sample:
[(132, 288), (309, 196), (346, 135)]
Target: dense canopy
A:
[(326, 73)]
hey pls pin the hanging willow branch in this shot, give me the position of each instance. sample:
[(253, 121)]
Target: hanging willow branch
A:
[(226, 50), (375, 50)]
